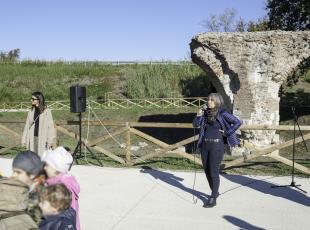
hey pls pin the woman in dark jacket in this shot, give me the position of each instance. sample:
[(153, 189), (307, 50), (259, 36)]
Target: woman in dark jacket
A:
[(216, 126)]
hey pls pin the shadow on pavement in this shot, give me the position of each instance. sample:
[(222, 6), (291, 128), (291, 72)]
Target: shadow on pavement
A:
[(265, 187), (241, 223), (175, 181)]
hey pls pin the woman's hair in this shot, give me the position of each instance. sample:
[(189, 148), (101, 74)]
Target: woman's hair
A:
[(41, 99), (58, 195), (218, 99)]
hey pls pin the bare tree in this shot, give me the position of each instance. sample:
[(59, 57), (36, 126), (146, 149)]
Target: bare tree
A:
[(212, 24), (222, 22), (241, 25), (227, 18)]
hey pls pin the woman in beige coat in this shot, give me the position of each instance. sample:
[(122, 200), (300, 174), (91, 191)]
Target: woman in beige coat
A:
[(39, 132)]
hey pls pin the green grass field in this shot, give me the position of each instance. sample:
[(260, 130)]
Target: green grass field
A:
[(19, 80)]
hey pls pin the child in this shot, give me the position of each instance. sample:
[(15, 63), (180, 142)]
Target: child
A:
[(55, 203), (57, 164), (14, 199), (27, 168)]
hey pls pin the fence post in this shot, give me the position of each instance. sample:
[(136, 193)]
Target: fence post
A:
[(128, 144)]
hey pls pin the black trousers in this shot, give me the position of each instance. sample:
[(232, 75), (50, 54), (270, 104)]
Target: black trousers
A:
[(212, 154)]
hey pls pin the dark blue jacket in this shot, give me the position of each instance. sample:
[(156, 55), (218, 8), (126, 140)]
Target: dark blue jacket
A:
[(229, 123), (62, 221)]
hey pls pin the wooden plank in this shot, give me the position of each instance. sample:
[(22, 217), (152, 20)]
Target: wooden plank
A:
[(273, 127), (67, 132), (152, 103), (96, 123), (160, 125), (3, 150), (188, 125), (257, 153), (128, 145), (109, 154), (100, 149), (134, 124), (133, 103), (288, 162), (106, 137), (188, 156), (148, 137), (163, 144), (11, 132), (117, 105), (166, 149)]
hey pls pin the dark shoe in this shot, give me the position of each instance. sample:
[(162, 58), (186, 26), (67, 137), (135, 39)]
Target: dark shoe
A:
[(211, 203)]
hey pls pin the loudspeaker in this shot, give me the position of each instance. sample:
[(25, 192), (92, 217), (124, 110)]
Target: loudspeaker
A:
[(77, 99)]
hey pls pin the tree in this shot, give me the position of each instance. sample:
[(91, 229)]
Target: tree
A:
[(260, 25), (212, 24), (226, 19), (11, 56), (288, 15), (222, 22), (226, 22), (241, 25)]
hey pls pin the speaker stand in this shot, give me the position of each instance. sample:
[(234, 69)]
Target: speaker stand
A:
[(78, 149)]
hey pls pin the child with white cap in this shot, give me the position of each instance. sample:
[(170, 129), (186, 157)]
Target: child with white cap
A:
[(57, 165)]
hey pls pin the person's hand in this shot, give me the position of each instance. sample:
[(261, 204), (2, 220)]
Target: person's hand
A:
[(221, 131), (49, 146), (200, 112)]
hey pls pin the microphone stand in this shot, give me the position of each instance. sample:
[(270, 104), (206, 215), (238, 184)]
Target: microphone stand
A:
[(293, 184)]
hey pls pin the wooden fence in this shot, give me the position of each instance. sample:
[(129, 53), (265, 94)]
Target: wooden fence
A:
[(111, 103), (130, 128)]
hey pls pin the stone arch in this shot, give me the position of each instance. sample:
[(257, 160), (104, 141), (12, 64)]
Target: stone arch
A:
[(248, 70)]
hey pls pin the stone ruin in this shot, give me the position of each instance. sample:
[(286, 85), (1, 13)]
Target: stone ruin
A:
[(248, 69)]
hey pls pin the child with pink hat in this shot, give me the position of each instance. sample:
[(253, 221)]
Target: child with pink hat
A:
[(57, 165)]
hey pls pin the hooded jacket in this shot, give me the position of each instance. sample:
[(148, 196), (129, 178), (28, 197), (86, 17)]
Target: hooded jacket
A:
[(71, 183)]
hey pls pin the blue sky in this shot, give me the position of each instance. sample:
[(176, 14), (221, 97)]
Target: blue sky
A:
[(110, 30)]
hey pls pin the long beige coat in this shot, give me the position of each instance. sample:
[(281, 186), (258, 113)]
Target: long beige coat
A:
[(46, 135)]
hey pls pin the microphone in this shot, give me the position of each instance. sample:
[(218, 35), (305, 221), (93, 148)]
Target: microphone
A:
[(204, 107)]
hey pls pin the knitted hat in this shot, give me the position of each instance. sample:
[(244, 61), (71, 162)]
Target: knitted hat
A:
[(28, 161), (59, 159)]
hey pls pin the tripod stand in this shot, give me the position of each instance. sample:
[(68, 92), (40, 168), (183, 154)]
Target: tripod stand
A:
[(293, 184), (78, 148)]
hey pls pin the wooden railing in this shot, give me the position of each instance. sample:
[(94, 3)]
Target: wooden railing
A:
[(110, 103), (127, 129)]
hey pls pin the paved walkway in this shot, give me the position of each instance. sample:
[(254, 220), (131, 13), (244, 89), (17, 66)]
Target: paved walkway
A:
[(143, 199)]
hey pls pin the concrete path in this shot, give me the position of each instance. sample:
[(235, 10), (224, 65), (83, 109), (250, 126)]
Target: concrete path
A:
[(143, 199)]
